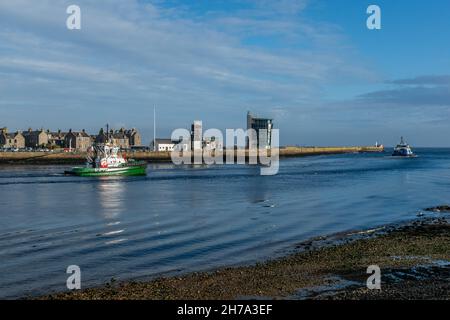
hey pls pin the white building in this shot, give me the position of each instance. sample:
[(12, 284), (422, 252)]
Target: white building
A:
[(163, 145), (212, 143), (169, 145)]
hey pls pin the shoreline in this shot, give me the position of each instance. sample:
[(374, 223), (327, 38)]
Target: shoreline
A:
[(73, 158), (414, 258)]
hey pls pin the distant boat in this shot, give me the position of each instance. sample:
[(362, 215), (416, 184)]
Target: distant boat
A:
[(403, 150)]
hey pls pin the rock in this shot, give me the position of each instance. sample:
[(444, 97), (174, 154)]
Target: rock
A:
[(442, 208)]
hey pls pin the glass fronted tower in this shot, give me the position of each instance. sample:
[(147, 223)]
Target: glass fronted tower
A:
[(262, 128)]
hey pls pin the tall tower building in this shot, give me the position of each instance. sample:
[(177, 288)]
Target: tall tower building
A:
[(197, 135), (262, 129)]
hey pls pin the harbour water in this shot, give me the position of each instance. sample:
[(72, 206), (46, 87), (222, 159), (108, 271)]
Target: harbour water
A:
[(181, 219)]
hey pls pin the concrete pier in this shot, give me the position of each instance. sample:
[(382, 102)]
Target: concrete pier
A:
[(157, 156)]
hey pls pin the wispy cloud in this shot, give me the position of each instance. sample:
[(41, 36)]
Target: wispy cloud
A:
[(212, 64), (59, 69), (424, 80), (423, 91), (410, 96)]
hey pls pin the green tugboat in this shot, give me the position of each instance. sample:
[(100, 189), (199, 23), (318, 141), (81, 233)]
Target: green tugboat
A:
[(105, 160)]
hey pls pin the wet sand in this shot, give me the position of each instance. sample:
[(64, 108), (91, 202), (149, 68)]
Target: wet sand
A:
[(414, 259)]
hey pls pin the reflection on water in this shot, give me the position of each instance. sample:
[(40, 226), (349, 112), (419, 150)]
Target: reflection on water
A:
[(179, 219), (110, 192), (258, 189)]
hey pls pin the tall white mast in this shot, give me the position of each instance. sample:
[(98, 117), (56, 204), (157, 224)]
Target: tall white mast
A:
[(154, 128)]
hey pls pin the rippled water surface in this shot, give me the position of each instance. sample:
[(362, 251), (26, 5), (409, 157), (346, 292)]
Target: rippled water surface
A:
[(179, 219)]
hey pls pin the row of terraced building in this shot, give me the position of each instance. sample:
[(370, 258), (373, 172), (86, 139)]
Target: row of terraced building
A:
[(73, 140)]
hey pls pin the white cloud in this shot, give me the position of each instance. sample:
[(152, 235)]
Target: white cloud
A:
[(131, 55)]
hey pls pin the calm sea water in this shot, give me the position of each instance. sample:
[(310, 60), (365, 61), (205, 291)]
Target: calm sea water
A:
[(179, 219)]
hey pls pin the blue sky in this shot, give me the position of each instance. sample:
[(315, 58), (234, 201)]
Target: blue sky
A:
[(312, 65)]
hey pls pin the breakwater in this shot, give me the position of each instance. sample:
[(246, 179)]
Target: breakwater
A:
[(305, 151), (162, 156)]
